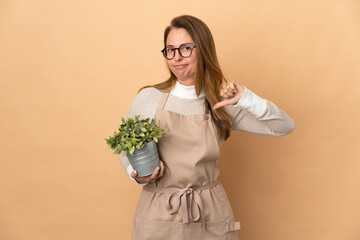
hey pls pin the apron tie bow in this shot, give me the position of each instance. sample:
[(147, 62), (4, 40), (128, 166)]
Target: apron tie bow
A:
[(181, 198), (184, 199)]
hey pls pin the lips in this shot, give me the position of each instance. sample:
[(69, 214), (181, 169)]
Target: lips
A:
[(180, 66)]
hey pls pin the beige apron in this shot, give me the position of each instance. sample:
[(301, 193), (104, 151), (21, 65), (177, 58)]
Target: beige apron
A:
[(188, 202)]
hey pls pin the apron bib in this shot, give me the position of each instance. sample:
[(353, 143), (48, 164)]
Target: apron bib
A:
[(188, 202)]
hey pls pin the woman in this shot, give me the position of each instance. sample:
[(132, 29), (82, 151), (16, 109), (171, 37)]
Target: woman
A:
[(184, 199)]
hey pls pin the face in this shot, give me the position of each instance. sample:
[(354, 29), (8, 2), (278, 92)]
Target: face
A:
[(183, 68)]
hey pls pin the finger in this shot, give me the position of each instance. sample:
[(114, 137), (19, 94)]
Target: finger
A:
[(133, 174), (224, 86), (155, 174), (222, 93), (228, 93), (162, 169), (141, 180), (225, 96), (219, 104), (236, 85), (146, 178), (232, 86)]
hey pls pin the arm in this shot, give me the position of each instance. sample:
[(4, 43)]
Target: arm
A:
[(257, 115), (144, 104), (252, 113)]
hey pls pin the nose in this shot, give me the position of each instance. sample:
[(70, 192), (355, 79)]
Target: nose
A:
[(177, 56)]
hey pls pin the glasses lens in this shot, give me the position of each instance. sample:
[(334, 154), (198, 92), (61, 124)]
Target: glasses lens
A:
[(169, 53), (185, 50)]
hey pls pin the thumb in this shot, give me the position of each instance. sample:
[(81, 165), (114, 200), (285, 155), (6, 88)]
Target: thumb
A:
[(133, 173), (219, 104)]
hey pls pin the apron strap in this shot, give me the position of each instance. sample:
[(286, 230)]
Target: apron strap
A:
[(163, 99), (233, 226)]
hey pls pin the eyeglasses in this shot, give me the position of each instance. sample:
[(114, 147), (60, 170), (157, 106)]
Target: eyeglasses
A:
[(185, 51)]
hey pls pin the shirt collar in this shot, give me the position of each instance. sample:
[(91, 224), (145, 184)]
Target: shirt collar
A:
[(187, 92)]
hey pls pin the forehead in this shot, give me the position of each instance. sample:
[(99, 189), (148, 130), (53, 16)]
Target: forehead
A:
[(178, 36)]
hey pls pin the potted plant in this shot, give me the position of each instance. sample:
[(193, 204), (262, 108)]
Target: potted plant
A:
[(138, 140)]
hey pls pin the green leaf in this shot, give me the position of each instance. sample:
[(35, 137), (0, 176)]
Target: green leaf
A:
[(133, 133), (140, 145), (129, 145), (132, 150)]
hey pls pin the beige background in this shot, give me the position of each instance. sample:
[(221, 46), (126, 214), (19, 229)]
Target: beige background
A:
[(69, 71)]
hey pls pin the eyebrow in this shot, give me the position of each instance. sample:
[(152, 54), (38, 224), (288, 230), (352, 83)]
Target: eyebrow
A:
[(179, 46)]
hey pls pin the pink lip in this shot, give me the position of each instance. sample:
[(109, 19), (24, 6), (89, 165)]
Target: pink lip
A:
[(179, 66)]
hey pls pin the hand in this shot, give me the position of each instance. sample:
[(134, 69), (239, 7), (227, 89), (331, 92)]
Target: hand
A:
[(231, 94), (152, 178)]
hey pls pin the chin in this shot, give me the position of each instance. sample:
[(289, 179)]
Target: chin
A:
[(183, 78)]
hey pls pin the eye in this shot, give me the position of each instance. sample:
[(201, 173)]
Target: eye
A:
[(186, 48), (169, 50)]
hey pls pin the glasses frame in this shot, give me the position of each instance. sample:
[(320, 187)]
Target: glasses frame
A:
[(165, 55)]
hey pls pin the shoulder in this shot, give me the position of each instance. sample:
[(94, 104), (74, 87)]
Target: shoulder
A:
[(145, 102), (148, 95), (149, 92)]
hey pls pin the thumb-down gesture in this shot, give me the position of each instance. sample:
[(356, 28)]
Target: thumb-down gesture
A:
[(231, 94)]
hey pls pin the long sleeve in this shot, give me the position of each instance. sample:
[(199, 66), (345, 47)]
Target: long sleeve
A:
[(146, 109), (257, 115)]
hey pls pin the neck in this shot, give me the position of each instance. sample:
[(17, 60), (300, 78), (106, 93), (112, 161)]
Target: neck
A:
[(187, 82)]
